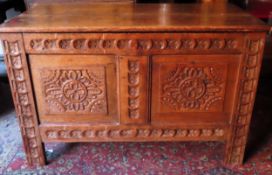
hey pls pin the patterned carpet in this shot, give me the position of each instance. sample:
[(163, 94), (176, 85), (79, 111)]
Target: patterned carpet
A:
[(186, 158)]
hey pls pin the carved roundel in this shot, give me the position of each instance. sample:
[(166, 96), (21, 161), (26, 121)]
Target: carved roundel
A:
[(193, 89), (75, 91)]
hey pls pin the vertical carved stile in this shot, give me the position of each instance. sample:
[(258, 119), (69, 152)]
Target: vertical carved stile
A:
[(248, 85), (133, 89), (18, 74)]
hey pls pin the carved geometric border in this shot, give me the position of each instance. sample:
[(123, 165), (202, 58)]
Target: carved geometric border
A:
[(22, 97), (249, 81)]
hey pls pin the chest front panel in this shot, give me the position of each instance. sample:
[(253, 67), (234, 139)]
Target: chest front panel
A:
[(149, 79)]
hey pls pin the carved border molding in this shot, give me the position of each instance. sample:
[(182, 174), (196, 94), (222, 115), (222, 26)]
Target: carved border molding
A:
[(129, 133), (140, 44), (249, 81), (111, 43), (22, 97)]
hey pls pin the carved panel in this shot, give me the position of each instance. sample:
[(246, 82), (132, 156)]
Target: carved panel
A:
[(143, 43), (249, 81), (130, 133), (75, 90), (197, 88), (193, 88), (23, 99)]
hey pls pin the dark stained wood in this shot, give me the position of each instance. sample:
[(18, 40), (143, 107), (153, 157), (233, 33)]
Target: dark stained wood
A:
[(131, 17), (133, 73)]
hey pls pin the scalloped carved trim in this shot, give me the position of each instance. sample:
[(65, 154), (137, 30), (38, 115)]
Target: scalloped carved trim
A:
[(140, 44), (22, 97), (130, 133), (114, 43)]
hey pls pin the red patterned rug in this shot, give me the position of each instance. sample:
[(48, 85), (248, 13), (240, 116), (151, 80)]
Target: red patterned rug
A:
[(186, 158)]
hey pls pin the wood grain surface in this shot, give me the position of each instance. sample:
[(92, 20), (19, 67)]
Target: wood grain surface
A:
[(133, 17)]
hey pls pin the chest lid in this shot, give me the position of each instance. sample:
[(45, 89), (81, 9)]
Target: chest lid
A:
[(78, 17)]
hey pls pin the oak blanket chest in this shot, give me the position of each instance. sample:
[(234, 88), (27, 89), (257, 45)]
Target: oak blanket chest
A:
[(133, 72)]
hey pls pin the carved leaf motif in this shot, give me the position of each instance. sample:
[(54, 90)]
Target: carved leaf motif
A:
[(36, 44), (159, 44), (194, 88), (231, 44), (49, 44), (218, 44), (79, 43), (92, 44), (14, 48), (203, 44), (16, 62), (71, 90), (65, 43)]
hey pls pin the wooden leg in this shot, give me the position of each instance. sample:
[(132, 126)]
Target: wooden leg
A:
[(249, 76), (20, 84), (235, 148)]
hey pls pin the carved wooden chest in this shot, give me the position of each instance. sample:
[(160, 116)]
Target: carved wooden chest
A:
[(151, 72)]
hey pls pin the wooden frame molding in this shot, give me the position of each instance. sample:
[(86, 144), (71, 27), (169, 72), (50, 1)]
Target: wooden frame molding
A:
[(20, 84), (251, 65)]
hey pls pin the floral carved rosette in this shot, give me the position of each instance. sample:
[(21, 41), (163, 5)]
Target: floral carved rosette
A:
[(67, 90), (194, 88)]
